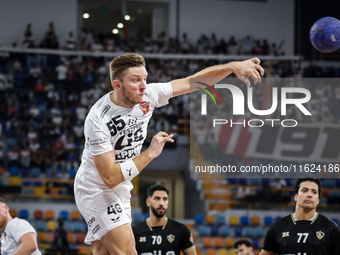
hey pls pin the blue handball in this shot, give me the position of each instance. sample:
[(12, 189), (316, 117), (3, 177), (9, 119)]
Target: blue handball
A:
[(325, 34)]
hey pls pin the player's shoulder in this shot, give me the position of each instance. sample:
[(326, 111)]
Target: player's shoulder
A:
[(17, 223), (176, 224), (284, 221), (101, 111), (324, 220)]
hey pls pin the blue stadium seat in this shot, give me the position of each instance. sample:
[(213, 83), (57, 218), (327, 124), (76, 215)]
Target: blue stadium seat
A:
[(41, 225), (278, 218), (220, 220), (255, 181), (323, 201), (337, 183), (138, 217), (14, 171), (256, 243), (259, 232), (204, 230), (37, 184), (238, 231), (72, 172), (26, 183), (25, 172), (78, 226), (232, 181), (23, 214), (248, 232), (68, 225), (268, 220), (214, 230), (64, 215), (242, 181), (244, 220), (329, 183), (27, 191), (199, 218), (289, 182), (35, 172), (224, 231)]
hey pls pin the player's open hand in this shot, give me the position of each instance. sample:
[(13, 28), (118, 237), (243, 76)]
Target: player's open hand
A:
[(249, 68), (158, 142)]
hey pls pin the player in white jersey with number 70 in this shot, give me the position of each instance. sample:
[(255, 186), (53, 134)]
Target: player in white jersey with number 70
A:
[(115, 129)]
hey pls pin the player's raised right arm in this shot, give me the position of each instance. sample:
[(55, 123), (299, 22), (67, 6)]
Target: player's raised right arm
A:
[(113, 173)]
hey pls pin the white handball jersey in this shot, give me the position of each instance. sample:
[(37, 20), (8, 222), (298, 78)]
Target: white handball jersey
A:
[(14, 230), (112, 127)]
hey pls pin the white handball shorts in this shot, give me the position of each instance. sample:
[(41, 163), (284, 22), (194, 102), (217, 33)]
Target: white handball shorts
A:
[(103, 209)]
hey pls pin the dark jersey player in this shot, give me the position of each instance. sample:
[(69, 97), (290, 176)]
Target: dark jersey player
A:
[(159, 235), (304, 232)]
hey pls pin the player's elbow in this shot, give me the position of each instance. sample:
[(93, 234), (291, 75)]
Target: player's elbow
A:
[(111, 182), (31, 247)]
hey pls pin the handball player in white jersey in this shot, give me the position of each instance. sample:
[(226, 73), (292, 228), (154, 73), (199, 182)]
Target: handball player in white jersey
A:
[(115, 129)]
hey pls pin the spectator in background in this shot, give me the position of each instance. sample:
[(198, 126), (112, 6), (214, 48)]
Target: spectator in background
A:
[(244, 246), (13, 156), (278, 183), (233, 48), (1, 152), (50, 33), (17, 235), (60, 236), (61, 74), (247, 45), (28, 35), (70, 42), (257, 48), (185, 44)]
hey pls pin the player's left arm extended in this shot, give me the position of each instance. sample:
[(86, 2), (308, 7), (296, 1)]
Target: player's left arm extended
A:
[(242, 69), (27, 244)]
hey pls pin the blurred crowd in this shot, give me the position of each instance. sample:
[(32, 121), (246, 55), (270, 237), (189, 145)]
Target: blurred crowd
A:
[(44, 99), (91, 40)]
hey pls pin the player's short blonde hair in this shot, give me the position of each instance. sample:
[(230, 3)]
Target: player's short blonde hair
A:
[(119, 65)]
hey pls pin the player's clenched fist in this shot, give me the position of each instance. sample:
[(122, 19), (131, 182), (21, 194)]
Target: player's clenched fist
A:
[(157, 143)]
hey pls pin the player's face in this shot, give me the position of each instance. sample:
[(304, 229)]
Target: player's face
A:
[(133, 85), (158, 203), (308, 195), (242, 249)]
